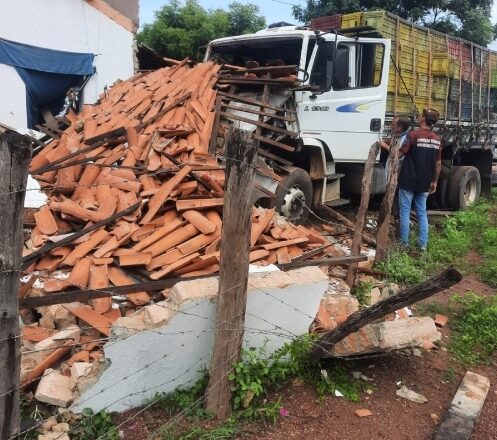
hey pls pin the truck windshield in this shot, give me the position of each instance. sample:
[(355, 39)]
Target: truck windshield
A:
[(266, 51)]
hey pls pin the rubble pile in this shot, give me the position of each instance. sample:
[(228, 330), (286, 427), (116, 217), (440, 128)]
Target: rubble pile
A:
[(140, 158)]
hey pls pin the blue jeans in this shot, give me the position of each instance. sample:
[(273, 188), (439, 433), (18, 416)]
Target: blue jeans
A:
[(405, 201)]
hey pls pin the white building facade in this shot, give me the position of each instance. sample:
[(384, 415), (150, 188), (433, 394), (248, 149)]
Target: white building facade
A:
[(102, 28)]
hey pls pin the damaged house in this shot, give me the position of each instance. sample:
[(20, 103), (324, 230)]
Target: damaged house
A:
[(51, 50)]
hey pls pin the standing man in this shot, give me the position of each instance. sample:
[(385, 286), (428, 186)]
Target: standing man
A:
[(400, 126), (419, 175)]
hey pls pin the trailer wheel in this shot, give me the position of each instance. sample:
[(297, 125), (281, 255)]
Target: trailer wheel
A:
[(294, 195), (464, 187)]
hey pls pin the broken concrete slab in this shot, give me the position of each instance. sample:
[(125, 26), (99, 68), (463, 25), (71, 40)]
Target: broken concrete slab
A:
[(340, 305), (411, 395), (57, 316), (460, 419), (55, 389), (173, 354), (147, 317), (79, 370), (61, 427), (195, 289), (374, 296), (388, 335)]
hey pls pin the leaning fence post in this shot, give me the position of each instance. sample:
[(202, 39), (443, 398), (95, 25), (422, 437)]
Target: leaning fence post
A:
[(382, 238), (15, 153), (363, 207), (233, 272)]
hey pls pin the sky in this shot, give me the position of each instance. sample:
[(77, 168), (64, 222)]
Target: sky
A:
[(273, 10)]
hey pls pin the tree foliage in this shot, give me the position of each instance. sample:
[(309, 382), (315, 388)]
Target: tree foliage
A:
[(180, 30), (469, 19)]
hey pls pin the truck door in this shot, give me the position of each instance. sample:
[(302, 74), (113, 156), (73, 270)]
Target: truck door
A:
[(348, 110)]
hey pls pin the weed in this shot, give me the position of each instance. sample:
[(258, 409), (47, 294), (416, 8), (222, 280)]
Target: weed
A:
[(93, 426), (221, 432), (256, 373), (29, 413), (362, 291), (488, 272), (187, 400), (400, 267), (338, 378), (449, 375), (475, 329), (252, 378), (488, 247)]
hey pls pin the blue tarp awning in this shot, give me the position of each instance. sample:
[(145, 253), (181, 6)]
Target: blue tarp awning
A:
[(48, 74)]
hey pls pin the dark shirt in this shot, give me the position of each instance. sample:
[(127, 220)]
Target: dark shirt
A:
[(422, 149)]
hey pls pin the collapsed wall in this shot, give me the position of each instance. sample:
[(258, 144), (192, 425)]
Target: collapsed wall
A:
[(168, 344)]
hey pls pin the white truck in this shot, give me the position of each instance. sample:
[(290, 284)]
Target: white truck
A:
[(351, 89)]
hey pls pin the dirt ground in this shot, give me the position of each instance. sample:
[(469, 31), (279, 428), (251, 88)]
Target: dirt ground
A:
[(433, 374)]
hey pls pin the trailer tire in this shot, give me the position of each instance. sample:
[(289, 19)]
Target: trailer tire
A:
[(294, 195), (464, 187)]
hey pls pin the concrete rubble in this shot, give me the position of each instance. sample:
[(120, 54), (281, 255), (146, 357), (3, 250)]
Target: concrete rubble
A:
[(411, 395)]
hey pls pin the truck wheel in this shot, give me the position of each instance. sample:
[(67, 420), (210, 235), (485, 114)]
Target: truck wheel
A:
[(294, 195), (441, 194), (464, 187)]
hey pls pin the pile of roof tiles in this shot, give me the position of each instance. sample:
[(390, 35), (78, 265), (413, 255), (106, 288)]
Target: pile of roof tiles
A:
[(145, 142), (141, 150)]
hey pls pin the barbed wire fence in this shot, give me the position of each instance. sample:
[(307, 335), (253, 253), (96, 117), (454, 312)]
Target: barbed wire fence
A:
[(269, 330)]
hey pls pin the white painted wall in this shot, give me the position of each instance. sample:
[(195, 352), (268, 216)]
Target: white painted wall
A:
[(12, 98), (280, 307), (69, 25)]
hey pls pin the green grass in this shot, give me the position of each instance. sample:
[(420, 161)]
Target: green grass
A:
[(488, 249), (224, 431), (188, 401), (401, 268), (95, 425), (449, 375), (474, 338), (450, 241), (362, 291)]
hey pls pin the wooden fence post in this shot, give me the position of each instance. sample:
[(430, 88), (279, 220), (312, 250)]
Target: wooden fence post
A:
[(241, 153), (361, 214), (15, 153), (382, 238)]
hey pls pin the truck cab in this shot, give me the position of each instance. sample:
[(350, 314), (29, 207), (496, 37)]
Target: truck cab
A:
[(340, 106)]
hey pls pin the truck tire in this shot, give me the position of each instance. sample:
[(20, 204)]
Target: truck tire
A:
[(294, 195), (441, 194), (464, 187)]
